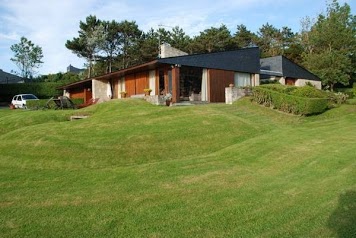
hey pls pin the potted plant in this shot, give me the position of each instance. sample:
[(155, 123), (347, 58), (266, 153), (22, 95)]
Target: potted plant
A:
[(123, 94), (147, 91), (168, 99)]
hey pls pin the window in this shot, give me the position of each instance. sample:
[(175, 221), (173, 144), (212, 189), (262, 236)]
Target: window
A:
[(242, 79)]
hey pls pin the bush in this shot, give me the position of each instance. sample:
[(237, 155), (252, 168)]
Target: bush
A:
[(337, 98), (280, 88), (269, 81), (351, 101), (289, 103), (351, 92), (41, 90), (309, 92)]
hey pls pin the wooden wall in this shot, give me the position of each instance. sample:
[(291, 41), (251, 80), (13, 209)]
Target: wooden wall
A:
[(77, 92), (130, 85), (175, 84), (136, 83), (218, 80), (141, 82)]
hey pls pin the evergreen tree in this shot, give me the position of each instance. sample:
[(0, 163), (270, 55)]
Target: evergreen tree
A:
[(213, 40), (89, 42), (244, 38)]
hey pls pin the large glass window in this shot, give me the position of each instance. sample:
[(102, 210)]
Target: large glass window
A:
[(242, 79), (161, 83), (190, 83)]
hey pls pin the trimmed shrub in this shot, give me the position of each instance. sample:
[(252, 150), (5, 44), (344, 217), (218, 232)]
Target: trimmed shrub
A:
[(280, 88), (309, 92), (289, 103), (41, 90)]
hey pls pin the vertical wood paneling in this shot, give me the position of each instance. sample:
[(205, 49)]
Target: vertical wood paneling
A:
[(175, 84), (141, 82), (218, 80), (130, 85)]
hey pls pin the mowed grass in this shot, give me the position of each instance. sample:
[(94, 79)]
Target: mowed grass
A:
[(137, 170)]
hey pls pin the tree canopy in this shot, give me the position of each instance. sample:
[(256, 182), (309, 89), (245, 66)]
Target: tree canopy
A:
[(28, 57), (331, 44)]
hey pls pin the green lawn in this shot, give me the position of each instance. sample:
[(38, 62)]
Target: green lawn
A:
[(137, 170)]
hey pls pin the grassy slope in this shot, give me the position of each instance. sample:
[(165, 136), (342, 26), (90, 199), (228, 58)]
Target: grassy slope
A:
[(134, 169)]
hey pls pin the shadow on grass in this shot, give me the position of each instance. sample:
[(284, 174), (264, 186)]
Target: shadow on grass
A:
[(343, 219)]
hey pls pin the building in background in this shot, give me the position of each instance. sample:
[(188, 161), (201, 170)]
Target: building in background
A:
[(7, 78)]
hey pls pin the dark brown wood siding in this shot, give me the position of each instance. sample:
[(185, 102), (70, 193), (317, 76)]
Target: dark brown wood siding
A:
[(218, 80)]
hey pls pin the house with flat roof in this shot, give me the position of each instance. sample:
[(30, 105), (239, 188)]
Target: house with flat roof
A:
[(199, 77)]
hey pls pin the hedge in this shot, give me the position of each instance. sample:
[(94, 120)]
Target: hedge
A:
[(47, 104), (289, 103), (41, 90)]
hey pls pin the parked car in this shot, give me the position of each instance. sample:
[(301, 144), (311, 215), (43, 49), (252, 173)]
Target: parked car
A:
[(19, 101)]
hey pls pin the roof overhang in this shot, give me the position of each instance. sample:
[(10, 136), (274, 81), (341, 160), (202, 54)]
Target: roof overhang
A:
[(271, 73), (115, 75)]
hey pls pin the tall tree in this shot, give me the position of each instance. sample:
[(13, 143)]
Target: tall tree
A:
[(332, 45), (179, 39), (87, 45), (130, 38), (212, 40), (28, 57), (269, 40), (112, 43), (149, 46), (244, 38)]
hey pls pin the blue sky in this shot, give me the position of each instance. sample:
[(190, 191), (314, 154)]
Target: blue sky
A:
[(51, 23)]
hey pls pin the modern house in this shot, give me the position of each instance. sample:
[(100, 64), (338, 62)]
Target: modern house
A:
[(198, 77), (7, 78), (281, 69)]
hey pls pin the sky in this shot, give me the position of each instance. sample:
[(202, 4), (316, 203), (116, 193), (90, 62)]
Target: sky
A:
[(49, 24)]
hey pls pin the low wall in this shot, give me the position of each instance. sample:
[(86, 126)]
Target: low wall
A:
[(233, 94), (155, 100)]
